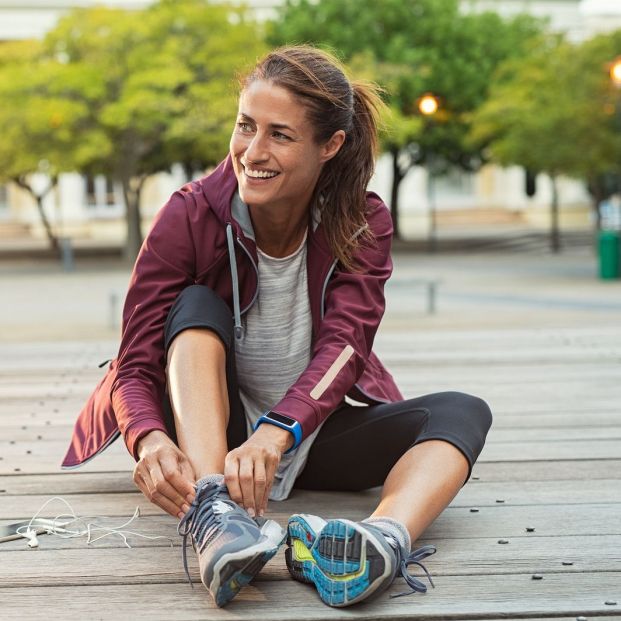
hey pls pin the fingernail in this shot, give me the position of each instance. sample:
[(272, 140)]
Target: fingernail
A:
[(189, 498), (251, 512), (185, 508), (261, 513), (179, 515)]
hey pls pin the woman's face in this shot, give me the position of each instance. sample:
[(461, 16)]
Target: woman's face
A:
[(276, 159)]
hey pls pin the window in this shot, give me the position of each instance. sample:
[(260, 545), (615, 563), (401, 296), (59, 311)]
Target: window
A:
[(102, 195)]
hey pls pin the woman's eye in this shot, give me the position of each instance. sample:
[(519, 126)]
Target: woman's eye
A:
[(281, 136), (243, 126)]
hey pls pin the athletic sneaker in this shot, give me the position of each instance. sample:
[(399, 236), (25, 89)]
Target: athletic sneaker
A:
[(232, 547), (349, 561)]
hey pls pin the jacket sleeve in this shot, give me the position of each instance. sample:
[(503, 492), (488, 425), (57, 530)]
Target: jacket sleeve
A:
[(164, 267), (354, 306)]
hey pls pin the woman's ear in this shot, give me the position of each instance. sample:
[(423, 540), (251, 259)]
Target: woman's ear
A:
[(334, 144)]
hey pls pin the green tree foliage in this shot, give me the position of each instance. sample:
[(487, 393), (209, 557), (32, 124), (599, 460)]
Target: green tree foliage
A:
[(162, 85), (40, 119), (554, 111), (413, 47)]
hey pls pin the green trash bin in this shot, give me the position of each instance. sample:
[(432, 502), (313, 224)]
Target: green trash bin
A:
[(609, 254)]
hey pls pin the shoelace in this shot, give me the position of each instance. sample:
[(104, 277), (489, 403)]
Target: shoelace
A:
[(414, 558), (199, 521)]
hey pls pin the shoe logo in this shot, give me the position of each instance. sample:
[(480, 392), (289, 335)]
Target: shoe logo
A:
[(221, 507)]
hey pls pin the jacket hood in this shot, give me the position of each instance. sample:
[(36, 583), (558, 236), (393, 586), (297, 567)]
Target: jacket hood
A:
[(219, 187)]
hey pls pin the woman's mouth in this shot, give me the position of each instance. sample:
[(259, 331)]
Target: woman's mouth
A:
[(257, 173)]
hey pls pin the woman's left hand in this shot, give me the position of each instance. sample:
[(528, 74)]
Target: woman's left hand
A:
[(250, 468)]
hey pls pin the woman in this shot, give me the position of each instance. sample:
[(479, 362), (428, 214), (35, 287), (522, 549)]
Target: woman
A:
[(250, 316)]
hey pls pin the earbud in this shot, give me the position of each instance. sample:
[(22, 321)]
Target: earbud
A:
[(31, 535)]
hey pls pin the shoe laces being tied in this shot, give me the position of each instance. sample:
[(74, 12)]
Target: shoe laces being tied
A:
[(201, 521), (413, 558)]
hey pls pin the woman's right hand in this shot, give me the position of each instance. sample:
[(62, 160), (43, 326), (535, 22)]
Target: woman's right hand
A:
[(164, 474)]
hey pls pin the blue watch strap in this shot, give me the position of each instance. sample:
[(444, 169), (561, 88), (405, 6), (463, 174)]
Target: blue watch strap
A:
[(294, 427)]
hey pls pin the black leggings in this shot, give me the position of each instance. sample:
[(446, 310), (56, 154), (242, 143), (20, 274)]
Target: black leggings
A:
[(357, 445)]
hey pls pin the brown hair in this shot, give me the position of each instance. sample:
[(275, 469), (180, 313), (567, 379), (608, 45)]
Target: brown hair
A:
[(333, 103)]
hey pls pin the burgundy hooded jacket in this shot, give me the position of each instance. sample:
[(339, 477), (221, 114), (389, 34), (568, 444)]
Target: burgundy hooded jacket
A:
[(196, 240)]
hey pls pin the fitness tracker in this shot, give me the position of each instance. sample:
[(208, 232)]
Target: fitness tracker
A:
[(284, 422)]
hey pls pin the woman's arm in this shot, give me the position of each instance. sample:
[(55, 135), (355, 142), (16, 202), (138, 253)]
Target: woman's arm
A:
[(164, 267)]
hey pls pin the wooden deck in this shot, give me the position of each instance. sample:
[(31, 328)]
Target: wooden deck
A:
[(552, 464)]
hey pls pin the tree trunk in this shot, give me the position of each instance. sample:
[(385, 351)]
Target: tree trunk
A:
[(22, 183), (397, 178), (555, 236), (131, 193)]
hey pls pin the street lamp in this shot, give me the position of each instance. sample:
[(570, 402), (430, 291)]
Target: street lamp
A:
[(615, 72), (428, 105)]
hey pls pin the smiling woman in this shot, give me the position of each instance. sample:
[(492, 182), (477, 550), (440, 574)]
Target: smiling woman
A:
[(250, 317)]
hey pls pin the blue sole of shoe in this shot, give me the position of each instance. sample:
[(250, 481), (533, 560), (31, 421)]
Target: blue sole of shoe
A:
[(343, 561)]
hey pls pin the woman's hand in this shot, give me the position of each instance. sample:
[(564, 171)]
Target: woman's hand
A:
[(164, 474), (249, 469)]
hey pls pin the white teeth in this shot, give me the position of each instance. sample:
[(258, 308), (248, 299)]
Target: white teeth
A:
[(260, 174)]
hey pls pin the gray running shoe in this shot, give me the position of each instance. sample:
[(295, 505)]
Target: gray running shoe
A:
[(232, 547), (349, 562)]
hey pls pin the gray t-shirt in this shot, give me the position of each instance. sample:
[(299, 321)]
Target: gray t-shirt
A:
[(275, 349)]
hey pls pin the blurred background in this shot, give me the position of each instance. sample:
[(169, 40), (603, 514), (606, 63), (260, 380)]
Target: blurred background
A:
[(501, 154)]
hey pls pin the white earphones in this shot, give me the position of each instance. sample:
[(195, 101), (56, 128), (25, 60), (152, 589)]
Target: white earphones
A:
[(31, 535)]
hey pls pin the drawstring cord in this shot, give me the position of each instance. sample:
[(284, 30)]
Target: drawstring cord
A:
[(234, 281)]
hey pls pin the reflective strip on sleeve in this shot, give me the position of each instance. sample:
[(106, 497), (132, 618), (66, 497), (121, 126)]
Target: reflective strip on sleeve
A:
[(332, 372)]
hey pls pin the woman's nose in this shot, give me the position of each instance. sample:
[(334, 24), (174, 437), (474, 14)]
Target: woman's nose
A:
[(256, 150)]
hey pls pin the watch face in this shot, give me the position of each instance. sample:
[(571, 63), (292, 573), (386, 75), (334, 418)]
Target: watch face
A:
[(279, 418)]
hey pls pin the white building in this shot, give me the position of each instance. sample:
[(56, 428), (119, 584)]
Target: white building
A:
[(92, 207)]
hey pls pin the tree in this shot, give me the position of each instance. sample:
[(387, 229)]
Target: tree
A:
[(550, 112), (415, 47), (598, 117), (39, 120), (164, 78)]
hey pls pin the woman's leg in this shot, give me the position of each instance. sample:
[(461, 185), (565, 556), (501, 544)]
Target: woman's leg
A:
[(421, 450), (209, 420), (202, 393), (422, 484), (199, 398)]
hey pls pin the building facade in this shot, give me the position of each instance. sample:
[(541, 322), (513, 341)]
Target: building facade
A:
[(92, 207)]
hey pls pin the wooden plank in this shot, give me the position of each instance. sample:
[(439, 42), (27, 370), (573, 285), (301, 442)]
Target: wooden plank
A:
[(161, 563), (548, 451), (72, 482), (475, 493), (555, 434), (585, 420), (498, 520), (48, 456), (517, 595), (521, 473), (560, 470)]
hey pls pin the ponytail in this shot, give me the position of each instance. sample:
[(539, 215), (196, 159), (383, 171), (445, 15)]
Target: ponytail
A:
[(342, 185)]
